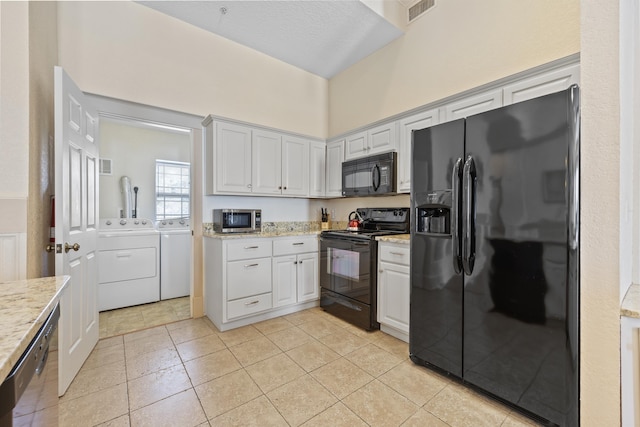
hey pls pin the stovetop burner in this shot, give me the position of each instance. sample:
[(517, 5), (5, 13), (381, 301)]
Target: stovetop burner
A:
[(376, 222)]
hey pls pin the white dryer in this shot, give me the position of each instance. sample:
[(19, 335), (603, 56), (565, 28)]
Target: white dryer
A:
[(128, 263), (175, 258)]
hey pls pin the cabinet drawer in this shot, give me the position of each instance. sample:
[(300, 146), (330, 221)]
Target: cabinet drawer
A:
[(248, 277), (244, 249), (395, 254), (294, 246), (246, 306)]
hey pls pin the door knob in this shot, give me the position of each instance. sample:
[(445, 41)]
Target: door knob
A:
[(68, 247), (54, 248)]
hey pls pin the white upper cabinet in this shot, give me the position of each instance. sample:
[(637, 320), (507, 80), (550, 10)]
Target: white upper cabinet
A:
[(407, 126), (232, 158), (266, 177), (317, 169), (375, 140), (241, 159), (335, 157), (542, 84), (475, 104), (295, 170)]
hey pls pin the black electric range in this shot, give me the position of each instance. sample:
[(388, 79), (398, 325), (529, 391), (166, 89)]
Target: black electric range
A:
[(348, 265)]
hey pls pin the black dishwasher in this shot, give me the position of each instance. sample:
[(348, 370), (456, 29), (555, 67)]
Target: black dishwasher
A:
[(32, 362)]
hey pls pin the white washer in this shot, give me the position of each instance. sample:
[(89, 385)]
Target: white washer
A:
[(128, 263), (175, 258)]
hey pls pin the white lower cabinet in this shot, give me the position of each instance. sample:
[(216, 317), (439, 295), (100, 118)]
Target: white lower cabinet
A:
[(394, 289), (248, 280), (295, 271)]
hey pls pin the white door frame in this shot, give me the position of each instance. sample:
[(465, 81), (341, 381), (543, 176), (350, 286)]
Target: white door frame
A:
[(111, 108)]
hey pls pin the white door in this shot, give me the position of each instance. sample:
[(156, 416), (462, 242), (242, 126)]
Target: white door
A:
[(233, 158), (295, 166), (266, 166), (76, 184), (308, 274)]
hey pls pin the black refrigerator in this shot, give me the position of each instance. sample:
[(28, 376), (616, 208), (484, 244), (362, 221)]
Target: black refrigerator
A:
[(494, 254)]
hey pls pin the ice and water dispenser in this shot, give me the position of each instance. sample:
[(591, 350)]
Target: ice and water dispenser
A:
[(433, 215)]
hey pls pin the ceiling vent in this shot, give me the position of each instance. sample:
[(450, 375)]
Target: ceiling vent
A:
[(105, 167), (419, 8)]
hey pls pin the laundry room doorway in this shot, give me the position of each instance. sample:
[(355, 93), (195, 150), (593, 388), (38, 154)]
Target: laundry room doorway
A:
[(149, 174)]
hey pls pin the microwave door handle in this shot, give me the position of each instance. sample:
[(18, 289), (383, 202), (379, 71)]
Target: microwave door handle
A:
[(375, 171)]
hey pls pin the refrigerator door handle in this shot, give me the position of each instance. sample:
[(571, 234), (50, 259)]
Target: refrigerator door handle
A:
[(469, 219), (456, 179)]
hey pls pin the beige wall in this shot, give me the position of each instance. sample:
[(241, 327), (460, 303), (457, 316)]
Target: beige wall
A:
[(128, 51), (43, 57), (28, 52), (457, 45), (14, 100), (600, 162), (134, 151)]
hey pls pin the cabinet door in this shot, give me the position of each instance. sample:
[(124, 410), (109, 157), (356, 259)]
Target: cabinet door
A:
[(393, 295), (308, 277), (284, 280), (382, 138), (335, 157), (295, 171), (356, 145), (543, 84), (317, 171), (266, 176), (407, 126), (233, 158), (473, 105)]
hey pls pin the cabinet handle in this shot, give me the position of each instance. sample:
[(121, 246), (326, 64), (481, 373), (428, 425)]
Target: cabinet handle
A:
[(298, 243), (285, 188), (280, 187), (251, 265), (248, 185), (251, 247), (295, 262), (396, 253), (252, 302), (380, 271)]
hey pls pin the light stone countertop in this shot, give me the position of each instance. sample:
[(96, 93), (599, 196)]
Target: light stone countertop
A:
[(226, 236), (24, 306), (396, 238), (631, 302)]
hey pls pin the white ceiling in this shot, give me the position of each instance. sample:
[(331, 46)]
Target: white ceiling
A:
[(323, 37)]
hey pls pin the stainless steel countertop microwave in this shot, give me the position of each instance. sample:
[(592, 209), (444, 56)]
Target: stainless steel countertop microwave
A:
[(237, 220)]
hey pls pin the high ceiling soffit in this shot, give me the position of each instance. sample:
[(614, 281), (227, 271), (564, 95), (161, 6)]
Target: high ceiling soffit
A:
[(322, 37)]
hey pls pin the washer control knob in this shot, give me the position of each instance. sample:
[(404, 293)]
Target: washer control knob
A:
[(136, 222), (170, 222), (182, 222), (144, 222), (108, 222), (123, 222)]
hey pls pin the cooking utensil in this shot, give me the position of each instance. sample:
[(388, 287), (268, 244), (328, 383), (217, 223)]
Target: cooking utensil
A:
[(355, 221)]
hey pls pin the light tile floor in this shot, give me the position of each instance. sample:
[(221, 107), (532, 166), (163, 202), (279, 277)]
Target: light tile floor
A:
[(307, 368), (129, 319)]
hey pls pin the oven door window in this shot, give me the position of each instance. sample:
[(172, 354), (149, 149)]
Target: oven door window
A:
[(345, 268)]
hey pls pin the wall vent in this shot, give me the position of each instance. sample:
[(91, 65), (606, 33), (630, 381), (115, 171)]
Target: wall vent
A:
[(419, 8), (105, 167)]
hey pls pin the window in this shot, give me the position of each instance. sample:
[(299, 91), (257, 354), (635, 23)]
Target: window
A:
[(172, 189)]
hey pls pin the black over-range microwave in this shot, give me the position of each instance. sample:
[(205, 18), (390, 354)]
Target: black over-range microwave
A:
[(370, 176)]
